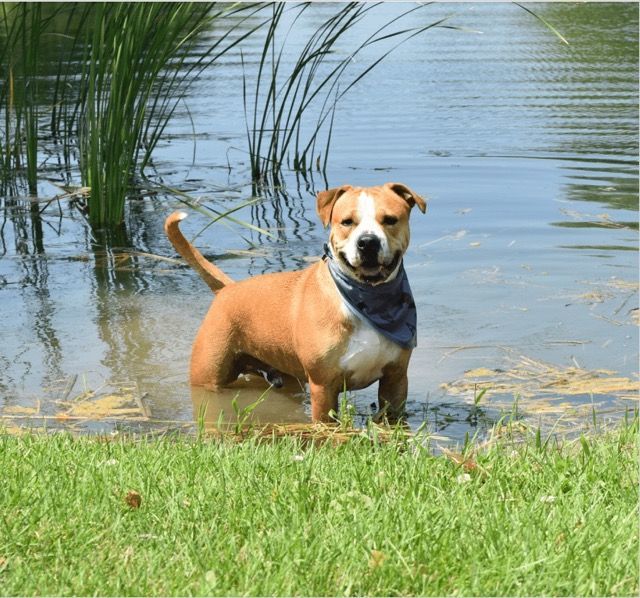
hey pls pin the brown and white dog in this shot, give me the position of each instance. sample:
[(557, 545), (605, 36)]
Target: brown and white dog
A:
[(298, 323)]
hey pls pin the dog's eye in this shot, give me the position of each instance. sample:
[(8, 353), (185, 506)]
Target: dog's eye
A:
[(347, 222), (389, 220)]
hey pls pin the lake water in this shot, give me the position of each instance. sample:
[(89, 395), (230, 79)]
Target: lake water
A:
[(524, 268)]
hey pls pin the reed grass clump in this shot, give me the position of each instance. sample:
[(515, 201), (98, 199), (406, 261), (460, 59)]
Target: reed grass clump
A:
[(20, 34), (290, 105), (139, 62), (122, 70)]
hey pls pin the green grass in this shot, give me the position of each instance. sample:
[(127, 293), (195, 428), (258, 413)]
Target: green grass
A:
[(218, 518)]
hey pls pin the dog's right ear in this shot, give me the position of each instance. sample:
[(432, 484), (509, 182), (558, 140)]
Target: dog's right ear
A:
[(326, 200)]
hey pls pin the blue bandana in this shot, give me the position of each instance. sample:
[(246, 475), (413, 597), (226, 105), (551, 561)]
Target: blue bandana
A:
[(389, 307)]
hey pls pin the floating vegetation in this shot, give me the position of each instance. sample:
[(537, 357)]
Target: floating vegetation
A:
[(606, 292), (107, 403), (529, 378), (624, 285), (22, 410), (111, 406)]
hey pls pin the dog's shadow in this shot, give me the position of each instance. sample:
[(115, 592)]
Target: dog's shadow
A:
[(250, 402)]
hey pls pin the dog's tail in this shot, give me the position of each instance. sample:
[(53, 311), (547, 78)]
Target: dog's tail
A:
[(213, 276)]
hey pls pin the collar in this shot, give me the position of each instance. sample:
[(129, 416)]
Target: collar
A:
[(388, 307)]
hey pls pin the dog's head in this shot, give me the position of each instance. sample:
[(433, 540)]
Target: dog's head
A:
[(369, 228)]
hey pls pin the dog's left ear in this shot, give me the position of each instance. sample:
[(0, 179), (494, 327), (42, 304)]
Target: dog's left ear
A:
[(326, 200), (413, 199)]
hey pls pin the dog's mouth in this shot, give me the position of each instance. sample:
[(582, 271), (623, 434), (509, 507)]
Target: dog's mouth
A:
[(371, 272)]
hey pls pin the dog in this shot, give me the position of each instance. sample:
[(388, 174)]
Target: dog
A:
[(344, 322)]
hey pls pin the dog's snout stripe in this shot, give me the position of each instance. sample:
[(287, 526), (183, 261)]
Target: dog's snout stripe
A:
[(367, 225)]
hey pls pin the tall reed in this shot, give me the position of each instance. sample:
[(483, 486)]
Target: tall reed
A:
[(136, 64), (22, 29), (140, 59), (290, 110)]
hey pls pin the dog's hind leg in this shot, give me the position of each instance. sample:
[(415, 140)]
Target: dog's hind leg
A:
[(212, 369), (214, 357)]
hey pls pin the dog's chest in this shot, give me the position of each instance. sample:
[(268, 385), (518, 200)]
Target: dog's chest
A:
[(367, 352)]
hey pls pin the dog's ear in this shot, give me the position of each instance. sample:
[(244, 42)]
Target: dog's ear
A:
[(326, 200), (412, 198)]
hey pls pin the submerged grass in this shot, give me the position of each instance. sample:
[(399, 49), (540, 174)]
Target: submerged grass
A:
[(191, 517)]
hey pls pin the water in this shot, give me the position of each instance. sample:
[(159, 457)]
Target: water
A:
[(527, 149)]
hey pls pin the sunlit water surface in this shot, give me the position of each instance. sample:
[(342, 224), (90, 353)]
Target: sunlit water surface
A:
[(526, 259)]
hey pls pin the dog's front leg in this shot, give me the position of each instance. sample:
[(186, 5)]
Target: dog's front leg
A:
[(324, 398), (392, 394)]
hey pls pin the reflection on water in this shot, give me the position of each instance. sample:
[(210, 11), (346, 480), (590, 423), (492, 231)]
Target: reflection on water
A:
[(250, 401), (526, 147)]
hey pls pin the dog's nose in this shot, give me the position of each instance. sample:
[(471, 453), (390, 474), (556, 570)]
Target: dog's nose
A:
[(369, 244)]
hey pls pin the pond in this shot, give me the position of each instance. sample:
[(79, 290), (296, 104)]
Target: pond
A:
[(524, 267)]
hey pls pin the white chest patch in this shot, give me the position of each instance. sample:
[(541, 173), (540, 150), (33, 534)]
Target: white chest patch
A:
[(367, 353)]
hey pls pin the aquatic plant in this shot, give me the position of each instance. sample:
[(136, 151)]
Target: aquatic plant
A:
[(122, 70), (139, 62), (22, 26), (136, 65), (289, 110)]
